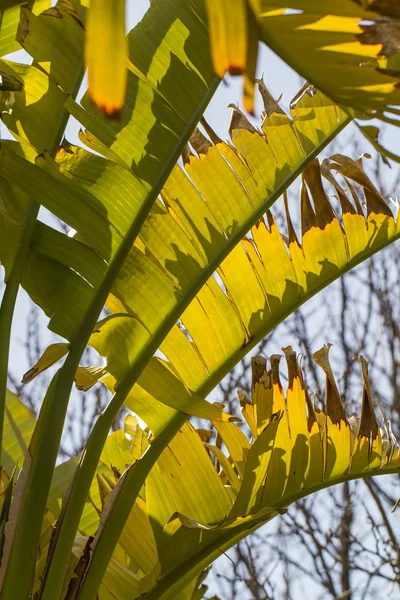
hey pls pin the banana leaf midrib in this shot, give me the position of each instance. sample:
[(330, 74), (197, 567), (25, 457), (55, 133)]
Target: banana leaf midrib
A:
[(173, 581)]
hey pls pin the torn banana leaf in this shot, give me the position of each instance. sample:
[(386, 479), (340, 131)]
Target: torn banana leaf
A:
[(347, 49), (298, 449)]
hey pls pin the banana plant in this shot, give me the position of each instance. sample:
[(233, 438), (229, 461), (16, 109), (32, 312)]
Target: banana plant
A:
[(188, 260)]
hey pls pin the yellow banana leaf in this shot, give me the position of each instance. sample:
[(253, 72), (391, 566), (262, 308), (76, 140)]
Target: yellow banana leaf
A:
[(266, 276), (343, 47), (198, 507), (329, 247)]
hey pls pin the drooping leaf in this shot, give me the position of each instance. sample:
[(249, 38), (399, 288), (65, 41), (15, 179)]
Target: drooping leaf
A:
[(106, 55), (51, 355), (234, 42)]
